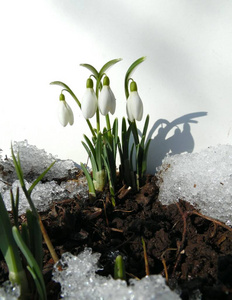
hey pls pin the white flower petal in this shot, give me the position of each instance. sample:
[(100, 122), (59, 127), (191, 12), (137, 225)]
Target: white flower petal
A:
[(113, 103), (70, 114), (106, 101), (62, 113), (134, 107), (89, 103), (128, 110)]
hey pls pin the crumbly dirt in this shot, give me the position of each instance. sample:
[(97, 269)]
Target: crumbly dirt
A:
[(193, 252)]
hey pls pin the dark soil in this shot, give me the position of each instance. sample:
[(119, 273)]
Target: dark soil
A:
[(192, 251)]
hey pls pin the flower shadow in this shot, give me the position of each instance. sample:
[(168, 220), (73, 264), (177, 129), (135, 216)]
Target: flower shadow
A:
[(179, 142)]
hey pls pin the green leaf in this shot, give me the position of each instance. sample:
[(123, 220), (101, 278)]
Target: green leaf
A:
[(91, 69), (15, 205), (99, 151), (144, 162), (103, 70), (146, 126), (90, 182), (108, 65), (119, 268), (25, 235), (129, 73), (18, 168), (92, 159), (91, 146), (8, 246), (35, 236), (37, 275), (135, 132), (37, 283), (115, 137), (68, 90), (131, 156)]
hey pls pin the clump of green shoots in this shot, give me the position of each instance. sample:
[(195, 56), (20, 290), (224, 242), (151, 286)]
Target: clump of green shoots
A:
[(27, 238), (105, 143)]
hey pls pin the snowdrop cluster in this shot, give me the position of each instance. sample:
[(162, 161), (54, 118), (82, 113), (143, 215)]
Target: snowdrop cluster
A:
[(103, 146), (106, 103)]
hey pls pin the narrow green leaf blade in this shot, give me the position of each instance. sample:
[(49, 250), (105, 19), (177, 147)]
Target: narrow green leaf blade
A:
[(8, 246), (92, 159), (119, 268), (108, 65), (63, 85), (129, 73), (146, 125), (90, 181), (91, 69), (30, 259)]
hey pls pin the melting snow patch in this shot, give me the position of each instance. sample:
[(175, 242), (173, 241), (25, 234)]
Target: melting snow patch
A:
[(204, 179), (9, 292), (79, 280), (34, 162)]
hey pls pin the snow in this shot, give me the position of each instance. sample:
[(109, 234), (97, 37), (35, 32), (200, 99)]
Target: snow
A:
[(79, 278), (9, 292), (204, 179), (35, 161)]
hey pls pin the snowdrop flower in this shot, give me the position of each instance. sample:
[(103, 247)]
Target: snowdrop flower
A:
[(106, 100), (134, 105), (89, 101), (65, 113)]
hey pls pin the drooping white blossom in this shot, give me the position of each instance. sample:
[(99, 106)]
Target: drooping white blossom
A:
[(65, 113), (106, 100), (89, 101), (134, 105)]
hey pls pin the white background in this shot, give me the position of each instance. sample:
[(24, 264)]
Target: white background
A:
[(188, 70)]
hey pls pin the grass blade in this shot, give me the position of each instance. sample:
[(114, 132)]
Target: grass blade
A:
[(129, 73), (31, 262), (92, 192), (91, 69)]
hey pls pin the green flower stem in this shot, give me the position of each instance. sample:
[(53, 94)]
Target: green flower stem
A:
[(108, 126), (91, 127), (98, 121)]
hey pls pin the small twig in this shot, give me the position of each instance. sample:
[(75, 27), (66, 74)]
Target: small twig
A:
[(116, 230), (48, 241), (133, 276), (7, 183), (122, 210), (181, 244), (145, 257), (211, 219), (107, 221), (164, 261), (185, 226)]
